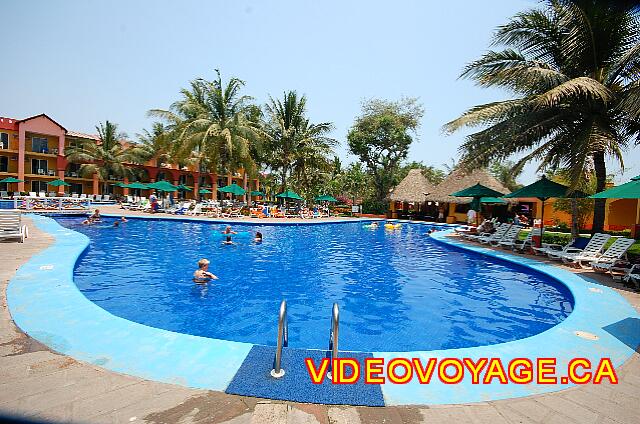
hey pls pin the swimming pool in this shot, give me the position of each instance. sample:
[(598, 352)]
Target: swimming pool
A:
[(397, 290)]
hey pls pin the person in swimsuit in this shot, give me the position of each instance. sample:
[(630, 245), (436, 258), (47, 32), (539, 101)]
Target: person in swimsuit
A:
[(228, 230), (123, 219), (202, 274), (258, 238), (228, 240)]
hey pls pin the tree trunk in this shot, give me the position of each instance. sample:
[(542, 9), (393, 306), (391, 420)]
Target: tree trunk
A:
[(599, 209), (575, 231)]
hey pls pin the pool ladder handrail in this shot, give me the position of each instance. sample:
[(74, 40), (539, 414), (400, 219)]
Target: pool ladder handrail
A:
[(283, 341), (333, 337)]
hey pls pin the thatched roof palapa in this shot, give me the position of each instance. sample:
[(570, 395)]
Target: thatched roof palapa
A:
[(412, 188), (459, 180)]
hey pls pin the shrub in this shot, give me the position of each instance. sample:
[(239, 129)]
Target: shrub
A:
[(374, 207)]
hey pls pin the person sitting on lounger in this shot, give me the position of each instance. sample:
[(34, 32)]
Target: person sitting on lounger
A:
[(228, 230), (258, 238), (202, 274)]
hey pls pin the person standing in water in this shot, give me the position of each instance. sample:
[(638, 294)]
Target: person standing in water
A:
[(202, 274)]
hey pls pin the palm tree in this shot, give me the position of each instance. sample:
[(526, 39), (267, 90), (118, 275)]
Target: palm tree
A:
[(211, 125), (297, 147), (155, 144), (573, 66), (107, 157)]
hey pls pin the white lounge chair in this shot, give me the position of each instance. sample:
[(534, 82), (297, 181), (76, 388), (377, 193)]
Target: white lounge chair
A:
[(495, 236), (510, 235), (98, 197), (74, 195), (42, 194), (32, 194), (556, 253), (612, 255), (478, 236), (591, 251), (197, 210), (516, 244), (633, 276), (4, 195), (106, 197), (11, 226)]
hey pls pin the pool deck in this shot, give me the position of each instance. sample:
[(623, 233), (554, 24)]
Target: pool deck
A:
[(37, 382)]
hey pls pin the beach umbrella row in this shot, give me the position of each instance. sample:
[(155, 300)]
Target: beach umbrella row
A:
[(478, 192)]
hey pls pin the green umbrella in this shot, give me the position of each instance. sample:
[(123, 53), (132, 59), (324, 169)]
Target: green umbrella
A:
[(163, 186), (630, 190), (118, 185), (477, 191), (137, 185), (11, 180), (58, 183), (326, 198), (234, 189), (204, 191), (183, 187), (544, 189), (258, 194), (289, 194), (493, 200)]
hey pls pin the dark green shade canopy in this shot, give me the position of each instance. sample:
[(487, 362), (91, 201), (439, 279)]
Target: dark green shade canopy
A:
[(544, 189), (183, 187), (493, 200), (289, 194), (204, 191), (257, 193), (477, 190), (11, 180), (326, 198), (630, 190), (118, 185), (234, 189), (58, 183), (137, 185), (163, 186)]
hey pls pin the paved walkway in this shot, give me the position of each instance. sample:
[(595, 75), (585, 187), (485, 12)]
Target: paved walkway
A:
[(39, 383)]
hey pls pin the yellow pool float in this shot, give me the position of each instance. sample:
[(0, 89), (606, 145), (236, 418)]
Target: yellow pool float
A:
[(392, 226)]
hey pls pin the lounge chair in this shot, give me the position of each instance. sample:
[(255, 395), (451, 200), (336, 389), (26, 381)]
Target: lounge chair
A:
[(42, 194), (492, 237), (197, 210), (74, 195), (632, 277), (474, 236), (612, 255), (106, 198), (591, 251), (4, 195), (11, 226), (516, 244), (510, 235), (577, 246), (32, 194)]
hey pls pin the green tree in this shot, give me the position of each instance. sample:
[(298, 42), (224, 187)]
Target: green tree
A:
[(579, 209), (211, 125), (381, 136), (573, 66), (507, 173), (296, 147), (107, 158)]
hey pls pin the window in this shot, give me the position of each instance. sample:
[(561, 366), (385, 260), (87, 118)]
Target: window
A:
[(38, 186), (39, 166), (4, 164), (76, 188), (73, 170), (182, 180), (4, 141), (39, 145)]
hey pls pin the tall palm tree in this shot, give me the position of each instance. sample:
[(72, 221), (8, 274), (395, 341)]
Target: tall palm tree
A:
[(573, 66), (109, 156), (296, 147), (155, 144), (211, 125)]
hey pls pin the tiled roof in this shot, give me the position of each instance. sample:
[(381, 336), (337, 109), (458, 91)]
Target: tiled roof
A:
[(8, 124), (82, 135)]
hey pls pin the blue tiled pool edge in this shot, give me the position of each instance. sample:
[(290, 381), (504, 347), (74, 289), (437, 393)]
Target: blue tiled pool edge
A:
[(45, 303)]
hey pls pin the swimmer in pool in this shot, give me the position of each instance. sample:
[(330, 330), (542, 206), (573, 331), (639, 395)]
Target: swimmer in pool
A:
[(228, 240), (258, 238), (228, 230), (95, 216), (123, 219), (116, 224), (202, 274)]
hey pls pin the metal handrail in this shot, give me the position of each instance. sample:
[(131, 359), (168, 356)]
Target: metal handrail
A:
[(333, 337), (283, 341)]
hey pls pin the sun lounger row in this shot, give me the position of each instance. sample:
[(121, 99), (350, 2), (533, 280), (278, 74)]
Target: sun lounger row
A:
[(11, 226)]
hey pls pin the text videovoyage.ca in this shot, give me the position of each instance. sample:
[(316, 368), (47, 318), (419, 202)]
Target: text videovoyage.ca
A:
[(457, 370)]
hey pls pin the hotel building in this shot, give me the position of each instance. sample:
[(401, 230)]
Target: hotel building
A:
[(33, 150)]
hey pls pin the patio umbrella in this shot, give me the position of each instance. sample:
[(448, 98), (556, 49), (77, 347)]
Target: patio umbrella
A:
[(163, 186), (233, 189), (544, 189), (289, 194), (326, 198), (183, 187), (58, 183), (118, 184), (10, 180), (204, 191), (136, 185), (495, 200), (257, 194), (477, 191), (630, 190)]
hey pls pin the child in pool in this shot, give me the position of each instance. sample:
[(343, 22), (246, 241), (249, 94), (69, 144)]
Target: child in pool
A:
[(202, 274), (258, 238), (228, 240)]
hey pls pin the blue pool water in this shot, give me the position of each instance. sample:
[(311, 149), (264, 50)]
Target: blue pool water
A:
[(397, 290)]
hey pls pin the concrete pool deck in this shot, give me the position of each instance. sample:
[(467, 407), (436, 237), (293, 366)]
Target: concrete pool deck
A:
[(36, 381)]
